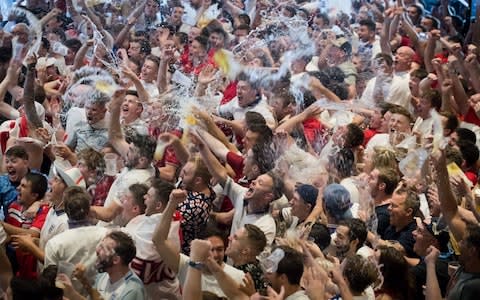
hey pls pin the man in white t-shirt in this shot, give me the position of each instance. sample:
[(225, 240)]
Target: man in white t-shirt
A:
[(180, 263), (159, 280)]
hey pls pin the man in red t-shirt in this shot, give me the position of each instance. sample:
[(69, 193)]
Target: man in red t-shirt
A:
[(27, 216)]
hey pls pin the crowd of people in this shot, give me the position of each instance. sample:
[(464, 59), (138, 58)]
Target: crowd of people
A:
[(207, 149)]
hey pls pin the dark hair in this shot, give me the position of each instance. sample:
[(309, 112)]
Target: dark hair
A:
[(182, 37), (146, 145), (343, 161), (73, 44), (369, 24), (132, 93), (354, 136), (256, 238), (39, 184), (290, 9), (243, 27), (320, 235), (264, 157), (434, 21), (244, 77), (245, 18), (25, 289), (469, 152), (77, 203), (473, 237), (324, 17), (265, 133), (162, 189), (138, 191), (453, 154), (253, 117), (202, 40), (17, 152), (357, 230), (291, 265), (419, 73), (125, 247), (452, 121), (212, 231), (464, 134), (46, 43)]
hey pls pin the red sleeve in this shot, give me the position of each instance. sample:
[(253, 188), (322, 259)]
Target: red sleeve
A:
[(311, 129), (471, 176), (471, 117), (236, 162), (367, 135), (39, 219)]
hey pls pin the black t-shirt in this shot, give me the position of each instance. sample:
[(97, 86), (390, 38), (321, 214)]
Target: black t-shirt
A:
[(383, 217), (420, 272), (404, 237)]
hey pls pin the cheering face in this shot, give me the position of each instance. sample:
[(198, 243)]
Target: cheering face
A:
[(105, 254), (16, 168)]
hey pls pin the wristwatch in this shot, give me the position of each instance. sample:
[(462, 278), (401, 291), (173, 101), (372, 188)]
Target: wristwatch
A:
[(195, 265)]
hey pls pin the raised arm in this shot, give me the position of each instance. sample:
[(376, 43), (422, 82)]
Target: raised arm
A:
[(115, 134), (448, 203), (12, 75), (214, 166), (131, 20), (28, 95), (165, 248)]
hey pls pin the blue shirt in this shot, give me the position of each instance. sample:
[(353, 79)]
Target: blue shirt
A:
[(8, 194)]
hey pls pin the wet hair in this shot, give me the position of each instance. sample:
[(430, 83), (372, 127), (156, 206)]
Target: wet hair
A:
[(162, 189), (146, 145), (39, 184), (263, 156), (253, 118), (291, 265), (343, 161), (77, 203), (265, 133), (256, 238), (125, 247), (138, 191), (17, 152), (360, 273), (244, 77)]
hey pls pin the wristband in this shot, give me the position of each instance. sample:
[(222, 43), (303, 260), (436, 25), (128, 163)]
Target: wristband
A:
[(195, 265)]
